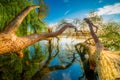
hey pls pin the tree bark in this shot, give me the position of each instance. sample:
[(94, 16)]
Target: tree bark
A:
[(11, 43)]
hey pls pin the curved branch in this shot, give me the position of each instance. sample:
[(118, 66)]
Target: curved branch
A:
[(14, 24), (31, 39)]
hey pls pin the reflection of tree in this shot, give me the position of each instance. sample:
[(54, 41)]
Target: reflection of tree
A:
[(46, 68), (21, 69), (83, 51)]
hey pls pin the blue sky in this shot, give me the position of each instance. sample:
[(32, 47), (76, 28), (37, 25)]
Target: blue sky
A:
[(62, 9)]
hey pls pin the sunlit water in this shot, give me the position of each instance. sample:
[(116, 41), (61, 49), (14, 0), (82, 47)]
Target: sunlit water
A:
[(66, 46)]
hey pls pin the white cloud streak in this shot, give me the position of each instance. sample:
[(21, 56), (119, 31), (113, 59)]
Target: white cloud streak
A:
[(67, 11), (109, 9)]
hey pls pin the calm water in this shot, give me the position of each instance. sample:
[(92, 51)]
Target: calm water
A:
[(64, 67)]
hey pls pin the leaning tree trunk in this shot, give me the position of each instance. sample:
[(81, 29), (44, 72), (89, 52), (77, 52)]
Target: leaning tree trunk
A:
[(108, 62), (11, 43)]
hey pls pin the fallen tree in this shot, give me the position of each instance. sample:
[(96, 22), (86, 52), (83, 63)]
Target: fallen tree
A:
[(107, 62), (11, 43)]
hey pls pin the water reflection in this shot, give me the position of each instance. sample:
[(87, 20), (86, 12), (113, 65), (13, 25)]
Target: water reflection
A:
[(61, 63), (59, 59)]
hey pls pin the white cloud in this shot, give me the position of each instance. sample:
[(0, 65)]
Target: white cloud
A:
[(109, 9), (52, 24)]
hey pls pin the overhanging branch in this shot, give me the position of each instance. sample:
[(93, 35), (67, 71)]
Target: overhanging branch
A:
[(14, 24)]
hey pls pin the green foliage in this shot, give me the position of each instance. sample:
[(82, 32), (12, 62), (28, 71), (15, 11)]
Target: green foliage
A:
[(43, 11), (32, 64), (111, 35), (10, 67)]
